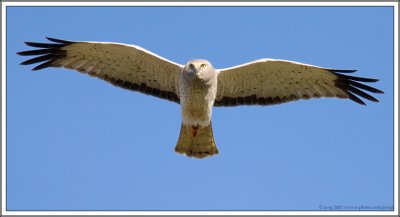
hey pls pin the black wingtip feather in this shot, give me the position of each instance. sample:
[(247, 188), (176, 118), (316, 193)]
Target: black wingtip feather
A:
[(36, 52), (38, 59), (355, 99), (43, 45), (43, 65), (353, 88), (362, 94), (343, 70), (48, 53), (58, 40), (354, 78), (364, 87)]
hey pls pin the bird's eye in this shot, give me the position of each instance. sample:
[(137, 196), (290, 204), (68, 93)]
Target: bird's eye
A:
[(203, 65)]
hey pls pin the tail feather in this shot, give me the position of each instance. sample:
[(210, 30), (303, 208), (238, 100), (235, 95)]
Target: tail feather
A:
[(200, 146)]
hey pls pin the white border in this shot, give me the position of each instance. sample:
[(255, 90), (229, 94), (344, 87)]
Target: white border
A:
[(199, 3), (3, 108), (396, 109), (5, 4), (181, 213)]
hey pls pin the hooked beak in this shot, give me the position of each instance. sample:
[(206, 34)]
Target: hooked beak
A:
[(194, 69)]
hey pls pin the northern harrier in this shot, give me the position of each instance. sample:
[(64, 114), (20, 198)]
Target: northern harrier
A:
[(197, 86)]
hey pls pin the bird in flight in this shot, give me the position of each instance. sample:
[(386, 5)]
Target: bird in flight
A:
[(197, 86)]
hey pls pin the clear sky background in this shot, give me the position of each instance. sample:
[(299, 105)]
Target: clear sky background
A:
[(78, 143)]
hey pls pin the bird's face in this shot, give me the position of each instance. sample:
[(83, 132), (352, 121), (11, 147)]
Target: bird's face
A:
[(199, 69)]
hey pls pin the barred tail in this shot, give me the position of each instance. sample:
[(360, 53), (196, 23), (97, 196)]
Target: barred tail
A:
[(200, 145)]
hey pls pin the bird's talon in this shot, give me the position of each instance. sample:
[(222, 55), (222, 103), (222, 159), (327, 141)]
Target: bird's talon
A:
[(193, 131)]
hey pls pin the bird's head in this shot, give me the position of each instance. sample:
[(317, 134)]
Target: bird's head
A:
[(201, 69)]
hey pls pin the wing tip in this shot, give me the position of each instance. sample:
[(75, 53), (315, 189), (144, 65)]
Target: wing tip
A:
[(28, 43), (43, 65), (343, 70), (46, 53), (58, 40), (356, 99), (354, 87), (20, 53)]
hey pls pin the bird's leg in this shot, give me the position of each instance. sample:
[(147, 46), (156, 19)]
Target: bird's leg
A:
[(193, 130)]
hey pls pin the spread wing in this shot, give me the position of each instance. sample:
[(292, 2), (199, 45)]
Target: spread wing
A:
[(127, 66), (268, 81)]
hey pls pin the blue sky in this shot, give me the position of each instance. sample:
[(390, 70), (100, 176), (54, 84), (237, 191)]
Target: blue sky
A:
[(79, 143)]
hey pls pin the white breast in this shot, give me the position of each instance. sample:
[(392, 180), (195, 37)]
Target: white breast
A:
[(197, 100)]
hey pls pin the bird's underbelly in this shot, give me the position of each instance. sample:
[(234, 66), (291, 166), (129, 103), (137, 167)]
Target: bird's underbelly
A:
[(198, 115), (196, 109), (197, 101)]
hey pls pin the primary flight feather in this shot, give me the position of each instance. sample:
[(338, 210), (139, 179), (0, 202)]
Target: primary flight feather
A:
[(197, 86)]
